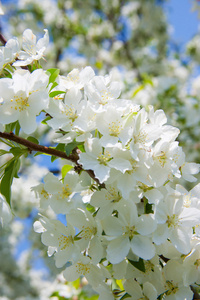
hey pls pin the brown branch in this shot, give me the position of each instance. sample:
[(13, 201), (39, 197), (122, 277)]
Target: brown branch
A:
[(39, 148), (196, 295), (2, 39), (43, 149)]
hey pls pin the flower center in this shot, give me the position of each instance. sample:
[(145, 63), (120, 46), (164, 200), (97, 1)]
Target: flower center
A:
[(197, 263), (87, 232), (82, 269), (105, 97), (172, 221), (113, 195), (130, 231), (140, 138), (162, 158), (65, 241), (172, 288), (66, 192), (70, 112), (104, 158), (149, 267), (20, 103), (73, 76), (187, 201), (44, 194), (133, 165), (114, 128)]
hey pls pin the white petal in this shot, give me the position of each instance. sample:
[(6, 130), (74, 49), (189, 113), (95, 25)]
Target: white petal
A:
[(118, 249), (180, 237), (112, 226), (70, 273), (133, 288), (147, 224), (27, 122), (142, 246)]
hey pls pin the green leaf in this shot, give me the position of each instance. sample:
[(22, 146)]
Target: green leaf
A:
[(53, 74), (147, 206), (137, 90), (90, 208), (10, 172), (45, 120), (138, 264), (10, 127), (17, 151), (76, 284), (69, 147), (17, 128), (81, 147), (65, 170), (33, 140), (53, 85), (55, 93), (38, 153), (2, 152), (17, 167), (60, 147)]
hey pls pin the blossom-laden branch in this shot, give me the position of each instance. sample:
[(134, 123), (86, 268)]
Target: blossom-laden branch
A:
[(44, 149)]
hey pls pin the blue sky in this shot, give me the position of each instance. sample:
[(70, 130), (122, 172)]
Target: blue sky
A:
[(184, 21)]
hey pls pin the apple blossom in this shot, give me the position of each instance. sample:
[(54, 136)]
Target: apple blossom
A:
[(23, 98), (129, 232), (175, 222), (32, 50), (61, 194), (59, 239), (134, 289)]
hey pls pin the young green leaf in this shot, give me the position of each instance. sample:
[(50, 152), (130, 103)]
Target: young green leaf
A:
[(10, 172), (53, 74), (33, 140), (56, 93), (60, 147), (138, 264), (65, 170)]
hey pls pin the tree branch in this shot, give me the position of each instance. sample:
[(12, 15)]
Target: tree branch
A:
[(2, 39), (39, 148), (196, 295)]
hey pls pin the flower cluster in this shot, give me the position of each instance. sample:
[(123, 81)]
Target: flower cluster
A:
[(32, 50), (130, 224), (132, 211)]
